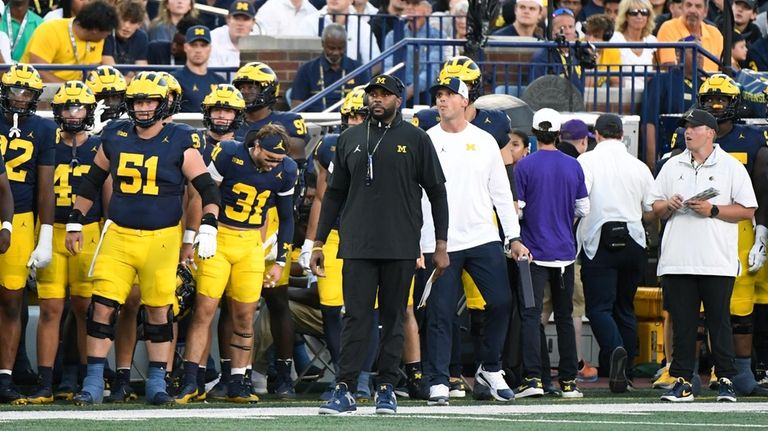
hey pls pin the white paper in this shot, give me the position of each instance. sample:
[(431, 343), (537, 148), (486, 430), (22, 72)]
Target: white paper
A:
[(427, 291)]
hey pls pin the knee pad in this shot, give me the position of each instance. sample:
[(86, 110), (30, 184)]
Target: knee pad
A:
[(156, 333), (99, 330), (246, 347), (742, 325)]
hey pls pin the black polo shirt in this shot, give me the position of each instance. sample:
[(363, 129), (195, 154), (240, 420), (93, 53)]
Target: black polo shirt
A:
[(382, 219)]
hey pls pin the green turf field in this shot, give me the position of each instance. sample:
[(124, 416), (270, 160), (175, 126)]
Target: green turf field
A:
[(599, 410)]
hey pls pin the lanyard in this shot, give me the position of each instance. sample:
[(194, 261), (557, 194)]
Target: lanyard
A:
[(564, 61), (74, 44), (369, 169), (322, 81), (22, 26)]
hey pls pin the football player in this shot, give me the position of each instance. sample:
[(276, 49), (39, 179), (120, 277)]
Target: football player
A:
[(249, 175), (720, 95), (27, 145), (108, 85), (258, 84), (150, 162), (73, 110)]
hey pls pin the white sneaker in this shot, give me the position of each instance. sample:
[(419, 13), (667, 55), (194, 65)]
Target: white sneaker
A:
[(438, 395), (495, 381), (259, 382)]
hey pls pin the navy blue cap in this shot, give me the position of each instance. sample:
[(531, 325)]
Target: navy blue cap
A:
[(198, 32), (241, 7)]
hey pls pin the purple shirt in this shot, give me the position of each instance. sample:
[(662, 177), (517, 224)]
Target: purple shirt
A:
[(549, 182)]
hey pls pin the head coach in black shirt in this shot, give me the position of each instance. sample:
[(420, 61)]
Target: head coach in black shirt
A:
[(377, 175)]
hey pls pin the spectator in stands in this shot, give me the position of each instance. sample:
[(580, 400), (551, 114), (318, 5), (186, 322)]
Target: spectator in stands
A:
[(593, 7), (552, 186), (671, 92), (52, 41), (699, 255), (364, 7), (241, 20), (385, 20), (459, 11), (744, 14), (361, 45), (16, 12), (526, 23), (66, 9), (128, 45), (691, 23), (170, 12), (195, 79), (599, 28), (315, 75), (171, 52), (611, 8), (634, 25), (575, 6), (660, 6), (612, 243), (288, 18), (675, 8), (757, 57), (739, 52), (422, 70), (560, 60)]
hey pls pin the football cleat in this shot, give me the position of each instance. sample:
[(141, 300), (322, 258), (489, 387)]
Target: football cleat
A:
[(240, 392), (121, 393), (725, 390), (42, 395), (83, 399), (187, 393)]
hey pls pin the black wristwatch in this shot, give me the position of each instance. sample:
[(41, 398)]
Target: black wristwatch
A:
[(714, 211)]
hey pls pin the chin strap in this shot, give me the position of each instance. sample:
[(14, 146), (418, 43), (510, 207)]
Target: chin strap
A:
[(15, 132)]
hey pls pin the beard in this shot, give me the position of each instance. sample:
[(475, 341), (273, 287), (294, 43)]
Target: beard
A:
[(386, 115)]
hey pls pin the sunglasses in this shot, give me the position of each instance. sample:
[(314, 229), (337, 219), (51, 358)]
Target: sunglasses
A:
[(636, 12), (562, 11)]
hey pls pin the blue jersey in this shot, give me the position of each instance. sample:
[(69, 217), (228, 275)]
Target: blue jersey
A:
[(2, 164), (147, 181), (245, 190), (292, 122), (493, 121), (207, 148), (326, 149), (743, 142), (68, 175), (24, 154)]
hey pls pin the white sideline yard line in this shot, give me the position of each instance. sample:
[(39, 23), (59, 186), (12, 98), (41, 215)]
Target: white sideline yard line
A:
[(487, 412)]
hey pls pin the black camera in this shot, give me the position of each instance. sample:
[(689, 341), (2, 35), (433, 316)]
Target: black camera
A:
[(586, 54)]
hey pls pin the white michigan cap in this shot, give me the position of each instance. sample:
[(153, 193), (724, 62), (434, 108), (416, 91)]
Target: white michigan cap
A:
[(546, 120)]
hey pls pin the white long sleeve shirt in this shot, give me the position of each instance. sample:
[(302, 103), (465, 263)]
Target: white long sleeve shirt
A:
[(476, 182)]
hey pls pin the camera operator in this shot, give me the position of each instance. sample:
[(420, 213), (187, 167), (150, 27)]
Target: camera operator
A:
[(569, 58)]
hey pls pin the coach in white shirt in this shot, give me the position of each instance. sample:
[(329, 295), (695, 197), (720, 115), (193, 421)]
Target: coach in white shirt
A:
[(288, 18), (612, 243), (476, 182)]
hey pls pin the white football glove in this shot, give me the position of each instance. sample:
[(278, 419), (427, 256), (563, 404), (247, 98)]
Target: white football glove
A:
[(206, 241), (98, 124), (43, 253), (757, 253), (270, 247), (306, 253)]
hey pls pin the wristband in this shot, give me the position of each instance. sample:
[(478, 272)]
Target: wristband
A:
[(189, 236), (210, 220), (7, 226), (75, 221), (317, 249), (280, 263)]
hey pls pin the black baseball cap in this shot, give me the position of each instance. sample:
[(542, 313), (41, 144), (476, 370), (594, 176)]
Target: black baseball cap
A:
[(750, 3), (609, 124), (387, 82), (699, 117)]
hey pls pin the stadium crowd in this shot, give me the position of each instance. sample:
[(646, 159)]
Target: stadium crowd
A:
[(128, 225)]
